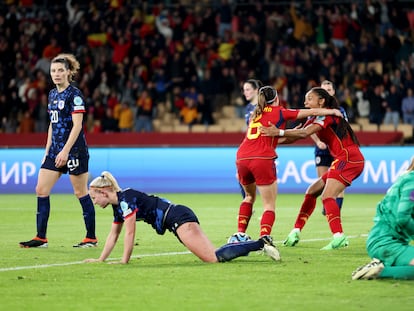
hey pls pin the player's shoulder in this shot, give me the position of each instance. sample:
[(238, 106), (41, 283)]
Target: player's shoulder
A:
[(53, 92), (74, 90)]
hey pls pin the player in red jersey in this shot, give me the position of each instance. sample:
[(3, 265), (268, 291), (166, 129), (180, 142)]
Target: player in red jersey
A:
[(348, 164), (256, 154)]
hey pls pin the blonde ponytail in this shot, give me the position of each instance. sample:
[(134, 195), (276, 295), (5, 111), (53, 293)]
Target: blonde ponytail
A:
[(105, 180)]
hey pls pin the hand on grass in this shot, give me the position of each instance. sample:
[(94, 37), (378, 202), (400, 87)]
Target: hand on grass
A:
[(89, 260)]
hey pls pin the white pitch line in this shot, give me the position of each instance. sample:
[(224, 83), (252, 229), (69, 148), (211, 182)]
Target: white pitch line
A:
[(142, 255), (81, 262)]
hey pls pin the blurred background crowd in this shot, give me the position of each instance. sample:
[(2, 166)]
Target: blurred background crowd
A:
[(140, 59)]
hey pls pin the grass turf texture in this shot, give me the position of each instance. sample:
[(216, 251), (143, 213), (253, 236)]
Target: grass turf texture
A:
[(306, 279)]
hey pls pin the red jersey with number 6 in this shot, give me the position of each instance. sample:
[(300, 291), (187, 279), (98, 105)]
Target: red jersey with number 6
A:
[(256, 145)]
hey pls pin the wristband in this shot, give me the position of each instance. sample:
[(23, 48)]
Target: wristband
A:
[(281, 132)]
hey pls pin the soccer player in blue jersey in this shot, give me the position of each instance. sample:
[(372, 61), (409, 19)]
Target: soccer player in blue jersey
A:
[(251, 93), (323, 158), (66, 151), (130, 206), (389, 242)]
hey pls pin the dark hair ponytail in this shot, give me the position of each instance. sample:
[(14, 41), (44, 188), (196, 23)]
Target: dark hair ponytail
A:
[(343, 128)]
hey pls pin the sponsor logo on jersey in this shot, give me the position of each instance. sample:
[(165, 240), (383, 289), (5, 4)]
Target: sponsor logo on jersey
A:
[(61, 104)]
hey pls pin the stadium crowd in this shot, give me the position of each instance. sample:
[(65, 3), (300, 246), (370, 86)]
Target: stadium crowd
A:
[(193, 57)]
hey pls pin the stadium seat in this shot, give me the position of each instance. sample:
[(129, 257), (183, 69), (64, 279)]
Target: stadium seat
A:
[(369, 127), (215, 128), (156, 124), (165, 128), (387, 128), (181, 128), (362, 121), (355, 127), (199, 128), (168, 118), (406, 129), (229, 111)]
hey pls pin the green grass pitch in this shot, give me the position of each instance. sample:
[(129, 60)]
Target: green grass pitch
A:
[(162, 275)]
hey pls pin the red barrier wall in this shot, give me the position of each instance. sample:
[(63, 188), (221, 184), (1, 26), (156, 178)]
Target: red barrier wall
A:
[(178, 139)]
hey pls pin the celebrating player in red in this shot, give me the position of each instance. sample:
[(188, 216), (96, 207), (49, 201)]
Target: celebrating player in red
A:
[(348, 164), (256, 159)]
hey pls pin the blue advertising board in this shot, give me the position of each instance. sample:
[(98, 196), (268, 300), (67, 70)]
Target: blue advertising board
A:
[(198, 170)]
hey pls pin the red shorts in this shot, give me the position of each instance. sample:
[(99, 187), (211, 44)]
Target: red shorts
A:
[(261, 171), (344, 172)]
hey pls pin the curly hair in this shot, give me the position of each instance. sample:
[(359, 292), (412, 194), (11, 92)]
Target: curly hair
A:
[(70, 62)]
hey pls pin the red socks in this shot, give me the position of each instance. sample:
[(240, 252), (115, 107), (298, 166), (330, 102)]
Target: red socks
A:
[(308, 206), (245, 212), (266, 223), (333, 215)]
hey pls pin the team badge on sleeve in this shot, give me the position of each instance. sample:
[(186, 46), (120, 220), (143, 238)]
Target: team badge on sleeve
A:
[(79, 105), (125, 209)]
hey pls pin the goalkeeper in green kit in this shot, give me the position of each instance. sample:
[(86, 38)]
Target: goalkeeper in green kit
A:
[(389, 240)]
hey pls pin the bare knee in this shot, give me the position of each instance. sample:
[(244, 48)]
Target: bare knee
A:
[(42, 191)]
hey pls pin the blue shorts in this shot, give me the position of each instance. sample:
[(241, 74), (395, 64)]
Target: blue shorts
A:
[(323, 160), (178, 215), (75, 166), (323, 157)]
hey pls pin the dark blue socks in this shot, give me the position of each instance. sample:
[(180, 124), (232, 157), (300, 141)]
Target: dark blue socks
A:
[(233, 250), (42, 216), (88, 215)]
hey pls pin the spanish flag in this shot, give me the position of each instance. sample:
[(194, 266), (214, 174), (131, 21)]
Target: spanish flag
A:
[(97, 39)]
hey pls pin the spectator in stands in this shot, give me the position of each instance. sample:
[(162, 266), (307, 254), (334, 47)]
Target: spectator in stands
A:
[(26, 123), (408, 107), (109, 124), (189, 113), (145, 107), (393, 106), (41, 115), (120, 45), (4, 111), (339, 24), (377, 104), (205, 110), (303, 29), (125, 117), (225, 17), (362, 105), (195, 44), (50, 51)]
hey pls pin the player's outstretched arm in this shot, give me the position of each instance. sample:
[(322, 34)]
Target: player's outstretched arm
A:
[(109, 243)]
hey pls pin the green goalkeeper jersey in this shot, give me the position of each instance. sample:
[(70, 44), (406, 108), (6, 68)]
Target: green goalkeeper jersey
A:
[(396, 210)]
